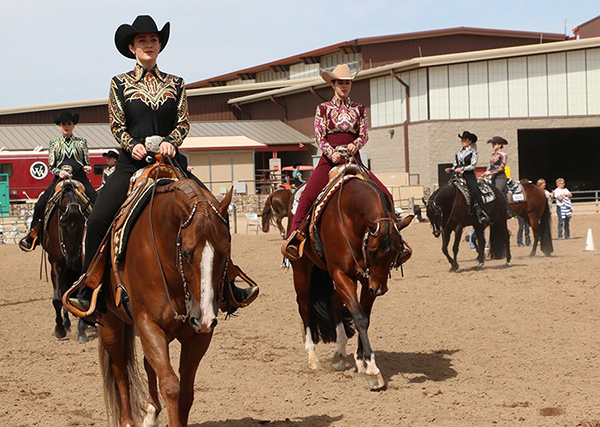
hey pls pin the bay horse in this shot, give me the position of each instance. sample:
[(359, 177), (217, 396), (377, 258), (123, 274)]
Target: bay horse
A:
[(448, 212), (361, 242), (276, 209), (63, 242), (536, 212), (172, 274)]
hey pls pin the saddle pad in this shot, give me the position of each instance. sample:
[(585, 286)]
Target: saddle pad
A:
[(77, 188), (128, 214), (326, 195), (515, 192), (487, 193)]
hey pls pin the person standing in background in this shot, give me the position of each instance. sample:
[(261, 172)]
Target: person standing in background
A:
[(564, 208)]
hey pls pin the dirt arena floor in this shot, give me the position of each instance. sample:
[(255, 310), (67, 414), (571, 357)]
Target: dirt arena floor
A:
[(511, 346)]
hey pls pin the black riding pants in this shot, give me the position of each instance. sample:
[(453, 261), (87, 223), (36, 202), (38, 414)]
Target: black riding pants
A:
[(471, 180), (40, 205), (111, 198)]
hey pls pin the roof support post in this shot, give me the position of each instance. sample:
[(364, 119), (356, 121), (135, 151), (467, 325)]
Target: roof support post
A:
[(274, 101), (314, 92), (241, 110), (405, 124)]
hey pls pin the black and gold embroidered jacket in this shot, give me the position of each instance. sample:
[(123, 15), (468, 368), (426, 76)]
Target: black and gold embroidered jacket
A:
[(71, 151), (144, 103)]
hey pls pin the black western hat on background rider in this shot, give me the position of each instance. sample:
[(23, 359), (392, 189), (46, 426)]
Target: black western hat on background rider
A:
[(465, 161), (68, 156)]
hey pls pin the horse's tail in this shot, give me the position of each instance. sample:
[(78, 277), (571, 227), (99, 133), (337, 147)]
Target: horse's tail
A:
[(322, 319), (111, 392), (545, 231), (267, 214), (497, 246)]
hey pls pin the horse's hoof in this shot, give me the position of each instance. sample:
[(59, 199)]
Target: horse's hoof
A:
[(508, 264), (338, 362), (479, 265), (314, 364), (60, 332), (375, 382), (82, 338), (453, 269)]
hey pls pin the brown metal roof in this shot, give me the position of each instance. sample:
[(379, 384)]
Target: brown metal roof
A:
[(380, 39), (269, 132)]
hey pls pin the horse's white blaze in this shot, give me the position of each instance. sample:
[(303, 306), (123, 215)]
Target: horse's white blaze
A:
[(207, 299), (309, 346), (372, 368), (151, 418), (341, 339), (360, 364)]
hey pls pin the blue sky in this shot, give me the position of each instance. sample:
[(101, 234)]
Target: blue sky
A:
[(63, 50)]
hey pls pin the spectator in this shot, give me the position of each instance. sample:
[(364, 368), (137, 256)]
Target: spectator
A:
[(542, 184), (564, 208), (297, 176), (523, 229)]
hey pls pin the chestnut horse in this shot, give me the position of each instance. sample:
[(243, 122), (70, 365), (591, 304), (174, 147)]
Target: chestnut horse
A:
[(536, 212), (276, 208), (361, 242), (448, 212), (172, 272), (63, 241)]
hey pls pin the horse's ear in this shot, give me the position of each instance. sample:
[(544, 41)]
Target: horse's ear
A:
[(224, 204), (405, 222)]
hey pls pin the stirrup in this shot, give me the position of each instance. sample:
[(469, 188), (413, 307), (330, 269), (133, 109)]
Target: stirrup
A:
[(295, 237)]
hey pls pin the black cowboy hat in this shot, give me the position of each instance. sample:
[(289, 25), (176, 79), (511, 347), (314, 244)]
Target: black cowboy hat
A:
[(468, 135), (111, 153), (65, 117), (142, 24), (497, 140)]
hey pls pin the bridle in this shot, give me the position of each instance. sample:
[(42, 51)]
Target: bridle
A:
[(205, 205), (365, 273)]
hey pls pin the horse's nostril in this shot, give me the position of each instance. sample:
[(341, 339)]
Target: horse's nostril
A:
[(195, 322), (373, 292), (214, 323)]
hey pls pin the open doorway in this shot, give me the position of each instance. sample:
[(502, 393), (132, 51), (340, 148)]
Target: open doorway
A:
[(571, 154)]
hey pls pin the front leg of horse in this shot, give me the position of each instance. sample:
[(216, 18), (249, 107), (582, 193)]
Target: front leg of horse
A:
[(81, 327), (193, 350), (457, 235), (156, 350), (59, 329), (364, 356), (280, 226), (153, 408), (445, 241), (479, 235)]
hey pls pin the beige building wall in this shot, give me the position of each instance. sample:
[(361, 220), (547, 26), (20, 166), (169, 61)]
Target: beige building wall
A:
[(435, 142), (219, 169)]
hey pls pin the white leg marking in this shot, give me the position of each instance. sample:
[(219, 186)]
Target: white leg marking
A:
[(151, 418), (309, 346), (372, 368), (207, 298), (341, 339), (360, 364)]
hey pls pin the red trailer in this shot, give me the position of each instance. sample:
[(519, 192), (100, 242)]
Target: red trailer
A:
[(29, 175)]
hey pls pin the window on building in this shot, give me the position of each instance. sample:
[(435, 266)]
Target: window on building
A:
[(6, 168)]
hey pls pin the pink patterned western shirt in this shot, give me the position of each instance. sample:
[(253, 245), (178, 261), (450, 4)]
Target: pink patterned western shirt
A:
[(340, 116)]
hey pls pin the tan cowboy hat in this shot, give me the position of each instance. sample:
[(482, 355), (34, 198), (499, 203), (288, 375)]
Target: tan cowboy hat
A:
[(341, 72)]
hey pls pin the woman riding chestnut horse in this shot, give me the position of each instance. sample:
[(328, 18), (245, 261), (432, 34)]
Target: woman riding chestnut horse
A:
[(359, 239), (338, 123)]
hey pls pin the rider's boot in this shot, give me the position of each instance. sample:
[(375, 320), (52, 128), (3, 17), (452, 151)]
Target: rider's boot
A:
[(292, 247), (482, 215), (83, 300), (29, 242)]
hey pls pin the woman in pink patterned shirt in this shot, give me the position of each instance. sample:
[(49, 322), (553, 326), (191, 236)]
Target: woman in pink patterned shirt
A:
[(339, 122)]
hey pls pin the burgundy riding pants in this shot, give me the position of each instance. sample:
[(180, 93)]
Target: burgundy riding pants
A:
[(320, 177)]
